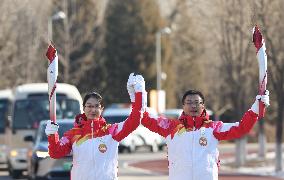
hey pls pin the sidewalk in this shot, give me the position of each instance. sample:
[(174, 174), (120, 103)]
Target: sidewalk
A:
[(254, 166)]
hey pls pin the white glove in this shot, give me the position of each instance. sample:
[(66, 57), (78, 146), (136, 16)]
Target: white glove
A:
[(51, 128), (144, 101), (140, 83), (263, 98), (130, 87)]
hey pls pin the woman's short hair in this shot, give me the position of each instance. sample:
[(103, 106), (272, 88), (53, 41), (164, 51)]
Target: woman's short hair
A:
[(93, 95)]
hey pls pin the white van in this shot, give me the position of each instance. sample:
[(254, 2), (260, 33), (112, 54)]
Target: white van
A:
[(141, 137), (6, 98), (31, 105)]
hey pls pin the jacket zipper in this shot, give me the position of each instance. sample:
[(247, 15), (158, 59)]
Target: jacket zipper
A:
[(92, 126), (92, 140)]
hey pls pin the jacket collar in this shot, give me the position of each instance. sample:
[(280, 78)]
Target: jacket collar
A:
[(81, 120), (194, 122)]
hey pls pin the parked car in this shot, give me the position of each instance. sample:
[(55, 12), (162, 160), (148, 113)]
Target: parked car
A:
[(172, 113), (141, 137), (40, 165)]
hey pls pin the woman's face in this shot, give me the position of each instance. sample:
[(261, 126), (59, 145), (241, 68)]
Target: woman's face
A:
[(93, 108)]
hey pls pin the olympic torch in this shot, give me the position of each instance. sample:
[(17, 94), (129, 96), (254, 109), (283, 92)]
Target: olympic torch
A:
[(262, 64), (52, 73)]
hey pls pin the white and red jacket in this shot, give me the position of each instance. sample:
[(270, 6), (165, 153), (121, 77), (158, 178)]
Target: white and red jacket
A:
[(94, 144), (192, 142)]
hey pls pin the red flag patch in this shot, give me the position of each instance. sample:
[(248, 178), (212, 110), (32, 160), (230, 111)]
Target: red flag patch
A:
[(50, 54), (257, 38)]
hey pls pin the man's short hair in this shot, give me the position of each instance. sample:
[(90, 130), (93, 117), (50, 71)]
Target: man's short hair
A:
[(193, 92)]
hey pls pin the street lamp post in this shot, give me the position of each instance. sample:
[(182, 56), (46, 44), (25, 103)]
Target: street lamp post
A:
[(160, 95), (56, 16), (158, 59), (165, 30)]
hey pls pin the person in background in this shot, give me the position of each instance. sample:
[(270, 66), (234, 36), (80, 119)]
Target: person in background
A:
[(93, 142), (192, 139)]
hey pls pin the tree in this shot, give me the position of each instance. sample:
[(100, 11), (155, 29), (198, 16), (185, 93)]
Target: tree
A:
[(130, 28), (21, 42), (75, 37), (188, 63), (237, 67), (269, 16)]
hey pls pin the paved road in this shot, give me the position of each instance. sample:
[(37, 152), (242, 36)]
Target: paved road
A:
[(157, 170), (246, 178), (127, 170)]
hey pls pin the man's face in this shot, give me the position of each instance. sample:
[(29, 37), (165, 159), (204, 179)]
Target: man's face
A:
[(193, 105), (93, 109)]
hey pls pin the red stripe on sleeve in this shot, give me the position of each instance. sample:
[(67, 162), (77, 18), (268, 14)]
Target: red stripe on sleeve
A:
[(246, 124)]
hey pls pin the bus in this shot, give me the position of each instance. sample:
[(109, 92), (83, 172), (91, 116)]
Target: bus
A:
[(30, 106), (6, 98)]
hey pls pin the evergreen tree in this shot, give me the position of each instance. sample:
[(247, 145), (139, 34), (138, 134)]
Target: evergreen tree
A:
[(130, 27)]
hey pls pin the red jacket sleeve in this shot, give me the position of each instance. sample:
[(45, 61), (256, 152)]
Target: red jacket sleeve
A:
[(59, 148), (121, 130), (225, 131), (162, 125)]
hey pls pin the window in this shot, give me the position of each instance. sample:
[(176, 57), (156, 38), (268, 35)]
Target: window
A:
[(29, 112), (4, 112), (115, 119), (63, 127)]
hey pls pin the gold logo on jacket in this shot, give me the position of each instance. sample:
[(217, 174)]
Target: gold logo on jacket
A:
[(203, 141), (102, 148)]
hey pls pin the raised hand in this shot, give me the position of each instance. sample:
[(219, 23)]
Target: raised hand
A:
[(130, 87), (51, 128), (140, 87), (264, 98), (139, 83)]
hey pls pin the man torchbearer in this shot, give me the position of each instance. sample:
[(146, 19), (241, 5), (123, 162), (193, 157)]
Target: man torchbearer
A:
[(193, 138)]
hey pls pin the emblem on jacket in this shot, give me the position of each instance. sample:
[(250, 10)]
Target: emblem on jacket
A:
[(102, 148), (203, 141)]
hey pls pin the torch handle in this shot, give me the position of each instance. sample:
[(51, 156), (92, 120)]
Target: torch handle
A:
[(52, 108), (261, 109)]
